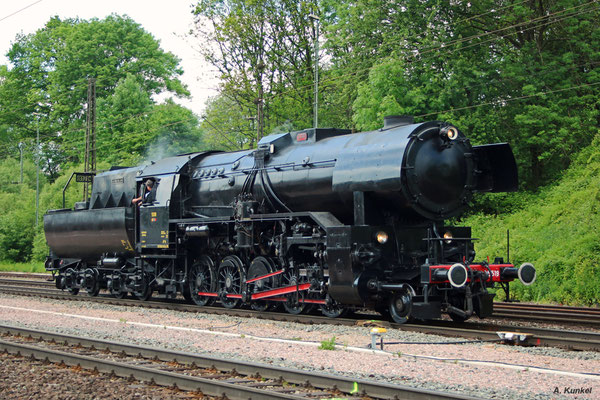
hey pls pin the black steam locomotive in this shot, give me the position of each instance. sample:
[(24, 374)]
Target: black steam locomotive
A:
[(315, 218)]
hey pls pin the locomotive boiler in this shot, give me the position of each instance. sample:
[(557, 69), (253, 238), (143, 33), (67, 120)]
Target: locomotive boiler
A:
[(315, 218)]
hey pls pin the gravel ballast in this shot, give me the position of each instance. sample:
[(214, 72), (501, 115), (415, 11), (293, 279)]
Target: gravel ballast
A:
[(486, 370)]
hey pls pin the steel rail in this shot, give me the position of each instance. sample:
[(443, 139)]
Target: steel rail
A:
[(503, 310), (539, 312), (560, 308), (36, 275), (572, 340), (26, 282), (333, 383)]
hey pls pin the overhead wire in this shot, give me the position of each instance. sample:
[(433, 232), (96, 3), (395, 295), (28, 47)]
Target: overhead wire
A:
[(507, 100), (418, 53), (22, 9)]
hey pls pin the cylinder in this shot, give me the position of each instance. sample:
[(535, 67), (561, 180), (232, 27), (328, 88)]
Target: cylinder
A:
[(113, 262)]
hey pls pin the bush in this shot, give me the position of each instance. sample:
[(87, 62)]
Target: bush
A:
[(557, 230)]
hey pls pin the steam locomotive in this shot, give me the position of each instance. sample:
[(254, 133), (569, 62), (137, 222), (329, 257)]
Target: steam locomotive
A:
[(320, 218)]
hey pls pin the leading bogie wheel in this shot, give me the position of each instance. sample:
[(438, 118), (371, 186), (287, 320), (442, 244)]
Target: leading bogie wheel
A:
[(400, 306), (202, 279), (333, 309)]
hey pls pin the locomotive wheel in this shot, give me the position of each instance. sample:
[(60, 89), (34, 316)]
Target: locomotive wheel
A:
[(144, 292), (292, 305), (333, 309), (202, 278), (261, 266), (91, 282), (230, 278), (400, 306)]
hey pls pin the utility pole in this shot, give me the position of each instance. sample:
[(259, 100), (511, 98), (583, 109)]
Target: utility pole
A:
[(316, 103), (21, 151), (259, 125), (90, 136), (251, 119), (37, 169)]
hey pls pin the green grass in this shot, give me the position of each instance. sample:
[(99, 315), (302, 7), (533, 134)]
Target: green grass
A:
[(558, 230), (328, 344), (22, 267)]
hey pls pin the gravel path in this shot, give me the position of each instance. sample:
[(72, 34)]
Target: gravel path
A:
[(486, 370)]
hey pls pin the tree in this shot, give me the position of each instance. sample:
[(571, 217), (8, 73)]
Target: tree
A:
[(227, 126), (263, 51), (18, 210), (50, 69), (523, 73)]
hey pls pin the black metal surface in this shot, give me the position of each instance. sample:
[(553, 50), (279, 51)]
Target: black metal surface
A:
[(87, 234), (115, 188), (498, 166), (357, 213), (408, 169)]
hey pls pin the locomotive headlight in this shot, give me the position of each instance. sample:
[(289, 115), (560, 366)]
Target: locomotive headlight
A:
[(449, 132), (452, 133), (448, 236), (381, 237)]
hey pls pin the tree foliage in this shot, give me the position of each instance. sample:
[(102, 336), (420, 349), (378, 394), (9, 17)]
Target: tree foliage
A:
[(46, 88), (521, 72), (264, 53)]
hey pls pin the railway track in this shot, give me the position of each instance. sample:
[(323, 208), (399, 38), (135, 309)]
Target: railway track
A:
[(573, 340), (521, 311), (201, 374), (548, 313)]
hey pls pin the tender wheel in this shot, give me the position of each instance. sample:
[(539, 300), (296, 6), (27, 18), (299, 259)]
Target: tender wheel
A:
[(144, 291), (400, 306), (261, 266), (293, 305), (91, 282), (333, 309), (230, 278), (115, 287), (70, 281), (202, 279)]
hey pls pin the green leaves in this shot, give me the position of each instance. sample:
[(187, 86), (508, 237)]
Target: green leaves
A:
[(47, 84)]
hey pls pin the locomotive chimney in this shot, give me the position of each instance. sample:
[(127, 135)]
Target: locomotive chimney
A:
[(392, 121)]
